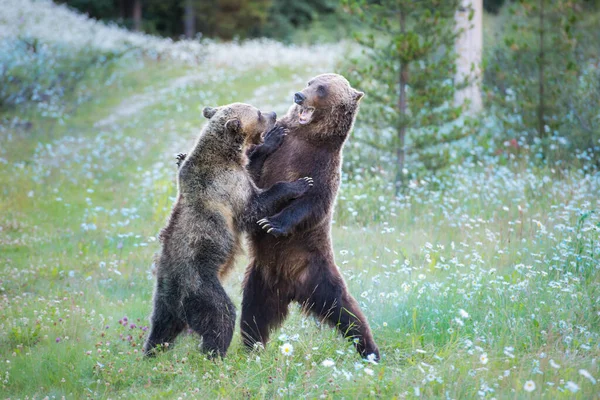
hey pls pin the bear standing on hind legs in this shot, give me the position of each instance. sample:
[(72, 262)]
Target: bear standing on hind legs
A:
[(292, 257), (217, 201)]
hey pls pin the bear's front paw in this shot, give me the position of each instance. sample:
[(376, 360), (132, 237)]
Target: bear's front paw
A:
[(180, 157), (303, 185), (271, 226), (273, 139)]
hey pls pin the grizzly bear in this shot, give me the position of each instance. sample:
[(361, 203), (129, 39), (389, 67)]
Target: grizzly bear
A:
[(217, 201), (292, 257)]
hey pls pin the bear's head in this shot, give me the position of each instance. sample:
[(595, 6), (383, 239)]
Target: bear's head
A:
[(244, 121), (325, 96)]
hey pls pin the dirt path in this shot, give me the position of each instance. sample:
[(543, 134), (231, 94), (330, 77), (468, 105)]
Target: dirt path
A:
[(272, 96), (136, 103)]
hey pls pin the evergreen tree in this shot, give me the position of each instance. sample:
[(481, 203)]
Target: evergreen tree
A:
[(549, 46), (407, 72)]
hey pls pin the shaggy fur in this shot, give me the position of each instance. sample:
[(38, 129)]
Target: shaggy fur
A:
[(292, 258), (217, 201)]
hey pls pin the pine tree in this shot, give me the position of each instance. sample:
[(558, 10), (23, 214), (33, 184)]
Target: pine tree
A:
[(407, 71), (542, 43)]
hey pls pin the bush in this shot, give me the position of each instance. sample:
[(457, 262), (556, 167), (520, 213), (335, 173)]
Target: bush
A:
[(43, 74)]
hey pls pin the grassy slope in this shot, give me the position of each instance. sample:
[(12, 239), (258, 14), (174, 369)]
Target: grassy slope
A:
[(81, 207)]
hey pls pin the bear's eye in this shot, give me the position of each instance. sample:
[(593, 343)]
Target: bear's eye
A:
[(321, 91)]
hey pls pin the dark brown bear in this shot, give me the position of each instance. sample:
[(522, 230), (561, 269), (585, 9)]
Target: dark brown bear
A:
[(292, 258), (217, 201)]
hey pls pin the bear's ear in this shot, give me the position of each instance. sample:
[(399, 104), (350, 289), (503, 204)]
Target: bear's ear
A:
[(209, 112), (358, 95), (233, 125)]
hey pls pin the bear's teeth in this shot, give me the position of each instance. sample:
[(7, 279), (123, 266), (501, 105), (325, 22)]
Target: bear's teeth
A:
[(305, 115)]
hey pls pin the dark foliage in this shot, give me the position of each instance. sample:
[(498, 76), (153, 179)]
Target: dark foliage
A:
[(493, 6), (212, 18)]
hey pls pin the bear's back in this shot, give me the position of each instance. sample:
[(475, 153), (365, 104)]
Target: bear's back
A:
[(213, 193)]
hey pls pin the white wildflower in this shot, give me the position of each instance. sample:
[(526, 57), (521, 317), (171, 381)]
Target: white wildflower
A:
[(529, 386), (587, 375), (572, 386), (286, 349), (328, 362), (483, 358), (283, 337), (371, 358)]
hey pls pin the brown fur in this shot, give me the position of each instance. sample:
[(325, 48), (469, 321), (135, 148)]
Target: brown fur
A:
[(217, 201), (295, 260)]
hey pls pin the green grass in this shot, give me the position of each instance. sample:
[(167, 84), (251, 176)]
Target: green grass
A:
[(80, 207)]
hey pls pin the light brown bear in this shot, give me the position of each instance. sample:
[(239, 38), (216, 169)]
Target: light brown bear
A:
[(217, 201)]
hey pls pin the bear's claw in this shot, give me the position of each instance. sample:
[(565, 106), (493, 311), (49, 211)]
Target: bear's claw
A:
[(270, 227), (302, 185), (309, 180), (274, 138), (262, 221), (180, 157)]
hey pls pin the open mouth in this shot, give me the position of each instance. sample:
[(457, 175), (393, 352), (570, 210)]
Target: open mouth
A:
[(305, 114)]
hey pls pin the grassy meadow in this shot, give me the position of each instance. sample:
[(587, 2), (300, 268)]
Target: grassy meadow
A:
[(482, 282)]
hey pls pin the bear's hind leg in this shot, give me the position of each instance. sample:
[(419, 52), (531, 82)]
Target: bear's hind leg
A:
[(211, 314), (331, 300), (165, 326), (263, 309)]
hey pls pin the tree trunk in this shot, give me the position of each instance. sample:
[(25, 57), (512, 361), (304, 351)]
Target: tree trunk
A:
[(541, 129), (189, 19), (400, 151), (121, 10), (137, 15), (468, 47)]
